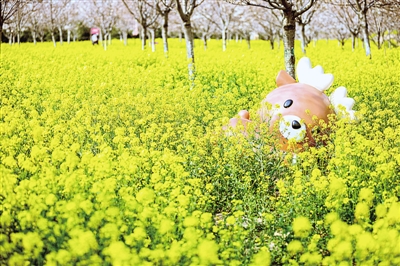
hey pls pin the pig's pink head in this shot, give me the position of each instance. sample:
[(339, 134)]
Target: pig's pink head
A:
[(295, 109)]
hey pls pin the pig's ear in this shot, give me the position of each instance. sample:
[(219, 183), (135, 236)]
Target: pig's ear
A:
[(284, 78)]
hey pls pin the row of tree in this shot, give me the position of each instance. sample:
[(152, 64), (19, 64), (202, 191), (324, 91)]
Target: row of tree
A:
[(272, 20)]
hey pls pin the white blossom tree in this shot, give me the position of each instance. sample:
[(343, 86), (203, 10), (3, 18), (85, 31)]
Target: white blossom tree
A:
[(9, 28), (185, 9), (70, 20), (345, 17), (7, 10), (379, 19), (35, 22), (104, 15), (203, 28), (175, 26), (303, 20), (341, 33), (18, 21), (152, 30), (56, 13), (393, 28), (164, 8), (125, 23), (145, 13), (245, 24), (270, 25), (221, 14), (361, 8), (291, 9)]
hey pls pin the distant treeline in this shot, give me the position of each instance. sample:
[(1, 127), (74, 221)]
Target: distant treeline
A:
[(83, 34)]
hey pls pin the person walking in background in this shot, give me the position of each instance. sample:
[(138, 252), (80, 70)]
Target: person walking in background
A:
[(95, 39), (94, 35)]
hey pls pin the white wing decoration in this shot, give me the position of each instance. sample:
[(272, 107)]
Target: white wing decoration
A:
[(314, 77), (342, 105)]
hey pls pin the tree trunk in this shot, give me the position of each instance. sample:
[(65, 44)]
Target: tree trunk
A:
[(148, 38), (1, 32), (18, 38), (289, 30), (10, 39), (144, 36), (153, 42), (279, 41), (248, 41), (205, 41), (303, 38), (164, 33), (224, 39), (53, 39), (34, 37), (125, 37), (61, 36), (381, 39), (271, 42), (365, 34), (398, 36), (189, 49), (105, 41), (69, 36), (353, 41)]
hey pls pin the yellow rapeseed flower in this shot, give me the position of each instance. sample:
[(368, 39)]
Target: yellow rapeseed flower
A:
[(301, 226)]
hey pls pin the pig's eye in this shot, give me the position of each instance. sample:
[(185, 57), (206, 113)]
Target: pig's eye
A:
[(288, 103)]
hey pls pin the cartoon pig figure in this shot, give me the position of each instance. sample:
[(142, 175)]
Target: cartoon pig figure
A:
[(297, 108)]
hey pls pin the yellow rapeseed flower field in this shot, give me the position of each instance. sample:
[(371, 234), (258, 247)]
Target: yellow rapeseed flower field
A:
[(114, 158)]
